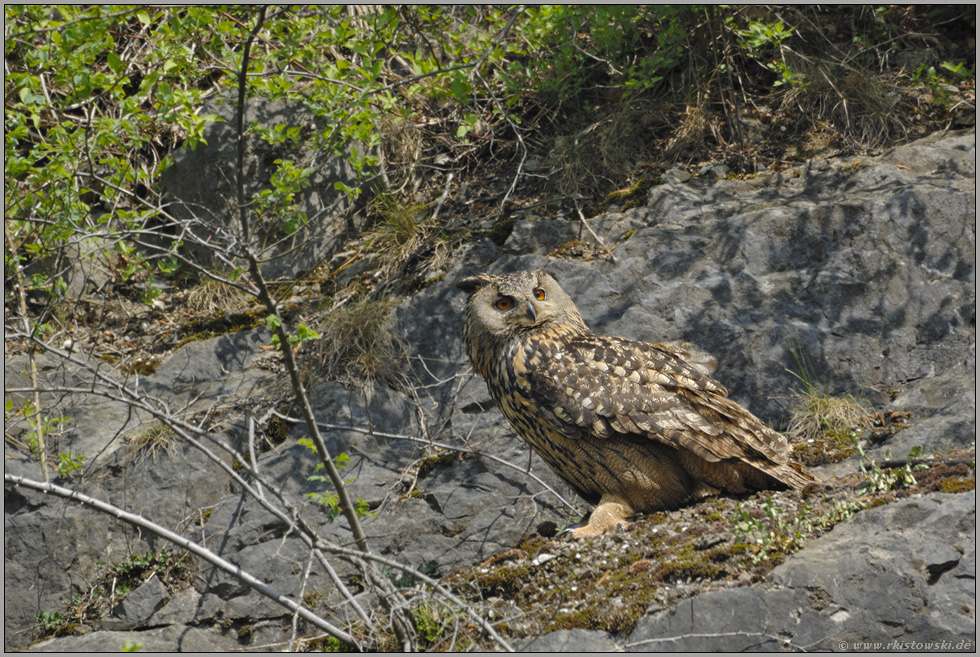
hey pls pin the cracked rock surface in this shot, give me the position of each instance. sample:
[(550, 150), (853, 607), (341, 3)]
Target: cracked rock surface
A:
[(867, 267)]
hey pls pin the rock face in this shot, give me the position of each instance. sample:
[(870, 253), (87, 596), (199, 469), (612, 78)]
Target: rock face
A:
[(832, 595), (200, 183), (866, 268)]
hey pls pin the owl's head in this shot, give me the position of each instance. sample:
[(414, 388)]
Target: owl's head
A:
[(509, 305)]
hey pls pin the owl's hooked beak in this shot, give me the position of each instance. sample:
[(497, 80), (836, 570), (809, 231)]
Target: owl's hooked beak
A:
[(531, 312)]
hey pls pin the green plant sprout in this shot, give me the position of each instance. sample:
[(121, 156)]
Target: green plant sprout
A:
[(328, 499)]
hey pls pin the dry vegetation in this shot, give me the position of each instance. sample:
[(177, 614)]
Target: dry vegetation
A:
[(358, 346), (608, 583), (754, 89), (848, 80)]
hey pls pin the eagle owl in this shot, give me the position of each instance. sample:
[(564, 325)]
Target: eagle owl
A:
[(629, 426)]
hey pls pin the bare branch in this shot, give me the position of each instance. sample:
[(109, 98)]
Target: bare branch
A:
[(432, 443), (39, 428), (187, 544)]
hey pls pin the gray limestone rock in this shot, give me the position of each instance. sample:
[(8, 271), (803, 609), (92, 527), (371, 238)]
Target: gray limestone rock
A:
[(137, 608), (905, 572), (569, 641), (866, 268), (200, 184), (171, 638)]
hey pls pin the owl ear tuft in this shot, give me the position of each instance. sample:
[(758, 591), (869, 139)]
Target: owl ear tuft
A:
[(542, 272), (473, 283)]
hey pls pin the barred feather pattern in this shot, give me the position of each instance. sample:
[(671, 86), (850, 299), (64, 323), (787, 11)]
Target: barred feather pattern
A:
[(615, 418)]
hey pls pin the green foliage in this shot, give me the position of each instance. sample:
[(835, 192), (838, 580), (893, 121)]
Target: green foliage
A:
[(772, 534), (938, 81), (332, 644), (116, 581), (839, 512), (279, 201), (303, 333), (42, 430), (573, 48), (84, 121), (42, 427), (135, 566), (48, 622), (764, 41), (432, 623), (883, 481), (960, 70), (97, 99), (70, 462), (329, 499)]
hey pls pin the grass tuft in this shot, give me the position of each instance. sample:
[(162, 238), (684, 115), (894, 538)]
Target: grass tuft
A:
[(820, 414), (211, 297), (357, 344)]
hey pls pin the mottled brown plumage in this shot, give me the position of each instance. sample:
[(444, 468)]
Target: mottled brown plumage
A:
[(630, 426)]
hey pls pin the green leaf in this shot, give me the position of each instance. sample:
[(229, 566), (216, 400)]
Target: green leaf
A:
[(460, 87), (306, 333), (27, 96), (115, 63), (149, 81)]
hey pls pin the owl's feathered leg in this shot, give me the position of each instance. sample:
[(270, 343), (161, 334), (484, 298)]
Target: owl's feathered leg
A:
[(610, 513)]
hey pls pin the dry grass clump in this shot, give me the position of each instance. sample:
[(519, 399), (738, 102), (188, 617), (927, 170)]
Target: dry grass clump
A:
[(822, 414), (690, 133), (211, 297), (357, 344), (400, 231), (859, 104), (601, 155), (153, 442), (403, 148)]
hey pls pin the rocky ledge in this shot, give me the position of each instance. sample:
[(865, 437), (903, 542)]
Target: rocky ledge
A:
[(865, 268)]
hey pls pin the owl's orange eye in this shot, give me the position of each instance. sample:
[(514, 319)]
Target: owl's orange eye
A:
[(539, 294), (504, 303)]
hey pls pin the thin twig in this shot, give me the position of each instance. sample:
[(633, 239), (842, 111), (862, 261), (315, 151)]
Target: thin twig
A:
[(901, 463), (712, 635), (39, 424), (598, 239), (500, 108), (431, 443), (187, 544), (251, 455), (401, 624), (442, 199), (184, 430)]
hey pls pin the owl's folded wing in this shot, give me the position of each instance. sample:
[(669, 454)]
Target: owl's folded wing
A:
[(597, 387)]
